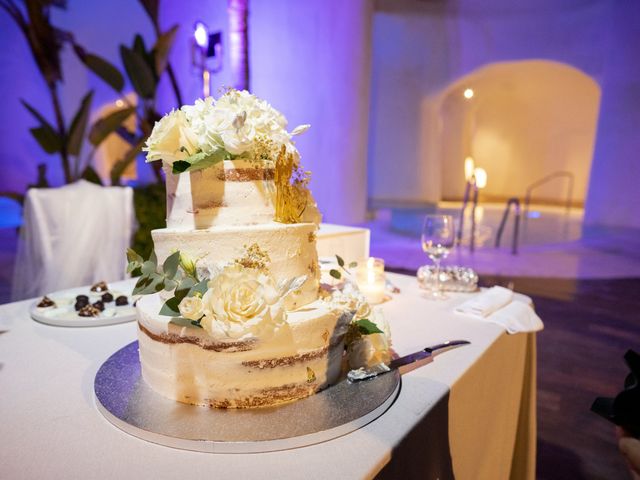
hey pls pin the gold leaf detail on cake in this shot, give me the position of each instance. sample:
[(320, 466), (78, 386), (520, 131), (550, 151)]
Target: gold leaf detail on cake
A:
[(325, 336), (245, 174), (291, 189), (313, 268), (311, 375), (312, 237), (254, 257)]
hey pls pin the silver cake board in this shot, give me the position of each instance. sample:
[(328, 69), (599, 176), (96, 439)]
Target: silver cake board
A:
[(130, 404)]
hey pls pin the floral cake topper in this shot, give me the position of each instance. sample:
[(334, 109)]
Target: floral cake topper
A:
[(237, 125)]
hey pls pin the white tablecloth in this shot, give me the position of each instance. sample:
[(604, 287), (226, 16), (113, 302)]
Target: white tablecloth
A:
[(469, 413)]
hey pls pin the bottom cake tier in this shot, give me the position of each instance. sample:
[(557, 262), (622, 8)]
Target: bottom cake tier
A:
[(182, 362)]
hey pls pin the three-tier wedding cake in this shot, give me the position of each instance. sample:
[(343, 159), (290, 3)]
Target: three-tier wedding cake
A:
[(234, 317)]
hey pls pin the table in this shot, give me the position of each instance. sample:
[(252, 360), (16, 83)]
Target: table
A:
[(469, 414)]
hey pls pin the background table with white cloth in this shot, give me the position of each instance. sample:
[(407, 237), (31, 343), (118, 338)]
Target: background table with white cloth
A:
[(470, 413)]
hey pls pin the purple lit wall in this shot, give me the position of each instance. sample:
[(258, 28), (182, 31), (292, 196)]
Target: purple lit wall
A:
[(311, 59), (358, 72), (614, 192), (308, 62)]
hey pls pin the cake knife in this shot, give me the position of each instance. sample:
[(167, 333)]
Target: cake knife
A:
[(363, 373)]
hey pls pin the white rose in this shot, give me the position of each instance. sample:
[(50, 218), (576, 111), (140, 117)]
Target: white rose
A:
[(242, 301), (348, 297), (191, 307), (369, 350), (171, 139)]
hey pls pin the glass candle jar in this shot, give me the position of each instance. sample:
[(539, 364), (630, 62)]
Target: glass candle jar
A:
[(371, 280)]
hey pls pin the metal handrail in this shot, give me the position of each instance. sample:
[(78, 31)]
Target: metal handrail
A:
[(542, 181), (469, 187), (516, 227)]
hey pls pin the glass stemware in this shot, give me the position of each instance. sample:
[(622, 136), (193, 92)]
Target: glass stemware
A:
[(438, 237)]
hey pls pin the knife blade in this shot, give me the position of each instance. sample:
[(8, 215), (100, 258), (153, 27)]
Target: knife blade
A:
[(364, 373)]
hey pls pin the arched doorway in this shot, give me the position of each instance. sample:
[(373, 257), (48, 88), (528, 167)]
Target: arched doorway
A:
[(520, 121)]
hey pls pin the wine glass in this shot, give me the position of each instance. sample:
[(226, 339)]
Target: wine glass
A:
[(438, 236)]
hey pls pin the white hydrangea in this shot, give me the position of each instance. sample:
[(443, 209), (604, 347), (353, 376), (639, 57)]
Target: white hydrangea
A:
[(232, 123)]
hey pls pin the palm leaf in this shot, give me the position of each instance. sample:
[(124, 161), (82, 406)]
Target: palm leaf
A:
[(101, 67), (109, 124), (47, 138), (138, 71), (79, 125), (120, 166), (162, 48), (91, 175)]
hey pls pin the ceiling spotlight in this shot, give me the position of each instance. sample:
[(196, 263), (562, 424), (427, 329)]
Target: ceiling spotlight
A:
[(468, 93)]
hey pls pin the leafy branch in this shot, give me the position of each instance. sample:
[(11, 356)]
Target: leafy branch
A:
[(336, 273), (176, 274)]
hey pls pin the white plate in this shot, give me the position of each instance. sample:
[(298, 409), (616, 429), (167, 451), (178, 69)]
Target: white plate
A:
[(64, 314)]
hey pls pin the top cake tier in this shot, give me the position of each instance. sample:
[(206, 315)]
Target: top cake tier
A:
[(233, 192)]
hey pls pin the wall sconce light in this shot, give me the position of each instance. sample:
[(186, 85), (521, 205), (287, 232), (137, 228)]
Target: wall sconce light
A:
[(480, 175), (468, 93), (206, 54)]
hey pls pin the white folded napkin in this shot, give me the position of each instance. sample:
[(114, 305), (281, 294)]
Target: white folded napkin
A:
[(495, 305), (517, 317), (487, 302)]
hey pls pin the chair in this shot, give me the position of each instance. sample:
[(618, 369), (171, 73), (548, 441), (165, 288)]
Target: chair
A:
[(72, 236)]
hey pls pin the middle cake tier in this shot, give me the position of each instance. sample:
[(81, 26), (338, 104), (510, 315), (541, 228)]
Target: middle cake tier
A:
[(286, 251)]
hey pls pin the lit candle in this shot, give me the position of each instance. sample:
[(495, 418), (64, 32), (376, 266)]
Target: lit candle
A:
[(370, 279)]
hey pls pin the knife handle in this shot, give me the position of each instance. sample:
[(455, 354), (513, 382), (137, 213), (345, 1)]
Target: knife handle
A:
[(447, 344)]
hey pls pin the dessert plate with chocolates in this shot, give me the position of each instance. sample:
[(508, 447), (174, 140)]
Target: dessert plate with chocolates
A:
[(92, 306)]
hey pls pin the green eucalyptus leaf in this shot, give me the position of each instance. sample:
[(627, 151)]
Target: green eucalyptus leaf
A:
[(170, 265), (48, 139), (133, 256), (79, 125), (335, 273), (340, 260), (109, 124), (367, 327), (148, 268), (184, 287), (199, 288), (162, 48), (170, 308), (199, 161), (170, 284), (140, 75), (353, 264), (180, 166), (155, 283), (153, 257), (142, 283)]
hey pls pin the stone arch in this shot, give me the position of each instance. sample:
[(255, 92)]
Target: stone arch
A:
[(526, 119)]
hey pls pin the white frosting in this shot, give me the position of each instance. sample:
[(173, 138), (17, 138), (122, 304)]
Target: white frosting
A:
[(204, 199), (190, 373), (291, 250)]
